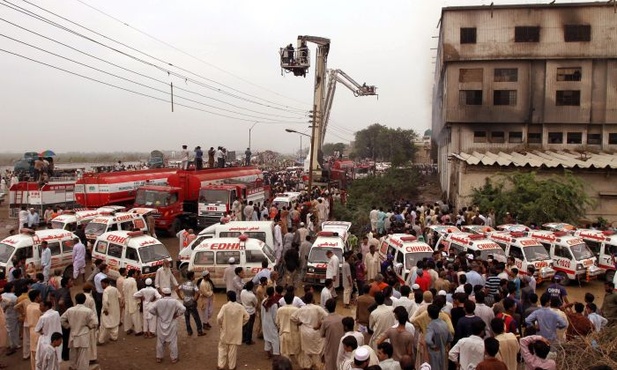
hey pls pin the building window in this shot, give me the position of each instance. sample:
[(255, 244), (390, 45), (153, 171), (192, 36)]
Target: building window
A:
[(577, 32), (569, 74), (526, 34), (468, 35), (594, 139), (498, 137), (470, 75), (479, 136), (575, 138), (515, 137), (534, 138), (504, 97), (612, 138), (555, 137), (470, 97), (568, 97), (506, 75)]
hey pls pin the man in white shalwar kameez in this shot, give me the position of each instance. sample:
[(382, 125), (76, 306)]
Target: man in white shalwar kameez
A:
[(269, 307), (80, 319), (381, 319), (308, 318), (148, 296), (288, 331), (165, 278), (92, 353), (110, 315), (48, 323), (167, 310), (132, 316), (231, 319), (47, 356)]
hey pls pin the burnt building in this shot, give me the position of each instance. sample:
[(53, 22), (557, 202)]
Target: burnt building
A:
[(528, 88)]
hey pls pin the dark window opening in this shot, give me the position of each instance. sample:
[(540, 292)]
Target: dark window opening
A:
[(506, 75), (534, 138), (555, 137), (569, 74), (612, 138), (470, 97), (479, 136), (468, 35), (568, 98), (594, 139), (575, 138), (498, 137), (504, 97), (577, 33), (515, 137), (527, 34)]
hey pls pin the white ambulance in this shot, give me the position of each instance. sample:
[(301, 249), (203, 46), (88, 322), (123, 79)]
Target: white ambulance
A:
[(261, 230), (572, 259), (433, 233), (477, 229), (340, 227), (214, 254), (317, 259), (513, 228), (114, 222), (559, 226), (132, 250), (604, 245), (475, 244), (407, 250), (526, 252), (285, 199), (27, 245), (69, 220)]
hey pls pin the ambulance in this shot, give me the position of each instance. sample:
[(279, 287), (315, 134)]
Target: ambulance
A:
[(317, 259), (432, 233), (572, 259), (477, 229), (604, 245), (475, 244), (559, 226), (214, 254), (69, 220), (285, 199), (27, 245), (132, 250), (114, 222), (526, 252), (340, 227), (261, 230), (407, 250), (515, 228)]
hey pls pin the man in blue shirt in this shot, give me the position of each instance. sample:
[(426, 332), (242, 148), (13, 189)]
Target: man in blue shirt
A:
[(548, 321), (558, 291)]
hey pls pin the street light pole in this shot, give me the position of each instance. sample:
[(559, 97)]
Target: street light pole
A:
[(251, 129)]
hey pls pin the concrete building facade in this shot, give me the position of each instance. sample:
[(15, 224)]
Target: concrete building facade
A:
[(527, 87)]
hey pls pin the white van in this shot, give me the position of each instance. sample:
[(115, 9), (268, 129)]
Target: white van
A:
[(340, 227), (118, 222), (132, 250), (406, 250), (526, 252), (214, 254), (285, 199), (475, 244), (604, 245), (572, 258), (69, 220), (261, 230), (27, 245), (317, 259)]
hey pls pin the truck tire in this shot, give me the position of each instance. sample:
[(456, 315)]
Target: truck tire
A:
[(565, 280), (184, 268), (610, 275), (68, 272)]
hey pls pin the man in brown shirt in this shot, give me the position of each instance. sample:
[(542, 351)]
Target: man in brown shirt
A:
[(362, 312), (579, 325)]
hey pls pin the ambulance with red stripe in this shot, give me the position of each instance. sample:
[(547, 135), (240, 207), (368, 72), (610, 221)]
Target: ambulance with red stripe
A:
[(407, 250), (475, 244), (69, 220), (132, 250), (114, 222), (214, 254), (27, 244), (317, 259), (526, 252), (572, 259), (604, 245)]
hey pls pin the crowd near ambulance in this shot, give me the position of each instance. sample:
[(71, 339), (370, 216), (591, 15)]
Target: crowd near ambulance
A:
[(420, 286)]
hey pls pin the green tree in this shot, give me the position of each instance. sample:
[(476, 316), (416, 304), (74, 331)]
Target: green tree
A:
[(381, 143), (558, 198), (330, 148)]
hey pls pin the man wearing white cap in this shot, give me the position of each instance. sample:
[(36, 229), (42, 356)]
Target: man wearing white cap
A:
[(167, 310), (148, 296), (361, 358), (229, 274)]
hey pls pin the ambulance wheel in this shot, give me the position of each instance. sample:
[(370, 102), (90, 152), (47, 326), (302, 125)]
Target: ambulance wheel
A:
[(564, 278), (68, 272), (184, 269), (610, 275)]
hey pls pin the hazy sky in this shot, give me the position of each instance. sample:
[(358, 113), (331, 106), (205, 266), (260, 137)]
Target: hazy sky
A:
[(383, 43)]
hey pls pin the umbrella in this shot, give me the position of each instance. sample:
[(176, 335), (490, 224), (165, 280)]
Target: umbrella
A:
[(47, 153)]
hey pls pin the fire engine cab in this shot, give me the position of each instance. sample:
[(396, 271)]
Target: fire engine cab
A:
[(526, 252), (317, 259), (214, 254), (572, 259), (407, 250), (604, 245), (132, 250), (475, 244)]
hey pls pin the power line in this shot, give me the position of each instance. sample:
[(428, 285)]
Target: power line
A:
[(165, 70), (187, 54), (132, 91), (138, 73)]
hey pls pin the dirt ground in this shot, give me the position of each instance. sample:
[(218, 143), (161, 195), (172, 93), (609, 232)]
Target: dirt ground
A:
[(131, 352)]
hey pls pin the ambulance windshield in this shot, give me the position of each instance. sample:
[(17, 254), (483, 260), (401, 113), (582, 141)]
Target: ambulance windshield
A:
[(57, 225), (485, 253), (411, 259), (155, 252), (535, 253), (149, 198), (95, 229), (6, 251), (581, 251), (213, 196), (318, 255)]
